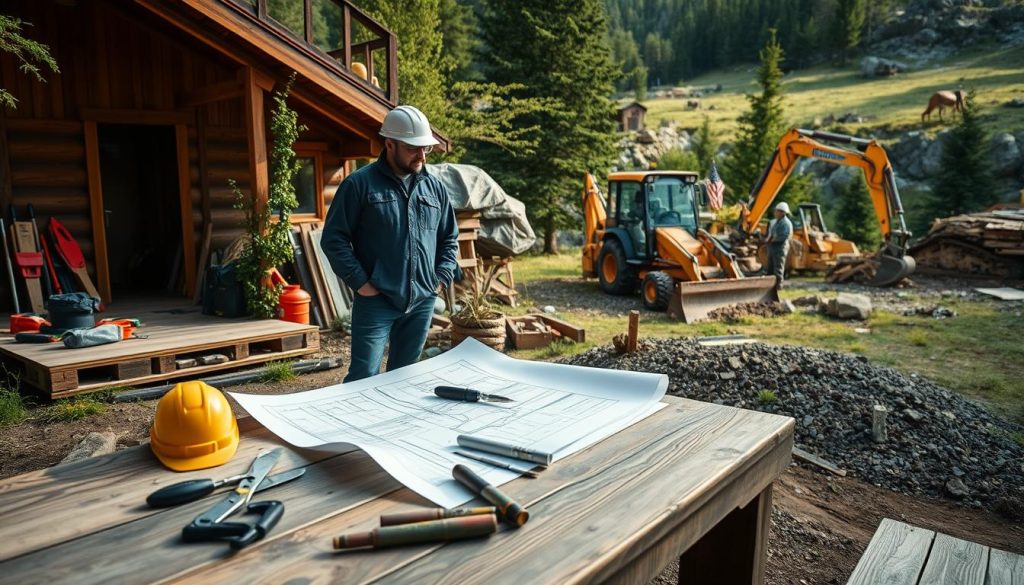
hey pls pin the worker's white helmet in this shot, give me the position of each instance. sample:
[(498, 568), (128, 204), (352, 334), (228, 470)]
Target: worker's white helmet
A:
[(783, 207), (409, 125)]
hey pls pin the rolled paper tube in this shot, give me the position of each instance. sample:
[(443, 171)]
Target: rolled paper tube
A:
[(509, 510), (432, 514), (419, 532)]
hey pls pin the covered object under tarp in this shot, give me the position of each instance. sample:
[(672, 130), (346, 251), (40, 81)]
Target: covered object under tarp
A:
[(504, 229)]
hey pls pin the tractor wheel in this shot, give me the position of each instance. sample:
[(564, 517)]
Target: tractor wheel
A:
[(615, 276), (657, 290)]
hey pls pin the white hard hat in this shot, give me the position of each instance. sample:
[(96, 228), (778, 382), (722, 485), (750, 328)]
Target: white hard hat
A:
[(409, 125), (783, 207)]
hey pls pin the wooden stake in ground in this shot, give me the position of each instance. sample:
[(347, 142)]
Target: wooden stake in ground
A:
[(634, 326), (878, 431)]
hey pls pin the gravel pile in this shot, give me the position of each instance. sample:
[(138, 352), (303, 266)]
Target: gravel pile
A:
[(734, 313), (938, 444)]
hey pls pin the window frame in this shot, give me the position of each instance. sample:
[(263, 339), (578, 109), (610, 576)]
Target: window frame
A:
[(315, 151)]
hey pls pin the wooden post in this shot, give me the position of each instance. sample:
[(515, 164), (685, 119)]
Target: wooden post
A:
[(634, 326), (259, 180), (733, 551), (878, 431), (99, 231)]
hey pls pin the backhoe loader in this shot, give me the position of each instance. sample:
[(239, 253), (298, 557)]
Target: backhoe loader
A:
[(647, 233), (813, 247)]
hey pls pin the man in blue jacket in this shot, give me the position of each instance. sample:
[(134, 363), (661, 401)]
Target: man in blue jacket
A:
[(391, 237)]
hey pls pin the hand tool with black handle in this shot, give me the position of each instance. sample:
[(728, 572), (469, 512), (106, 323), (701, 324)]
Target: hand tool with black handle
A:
[(468, 395), (10, 269), (210, 525), (47, 285), (192, 490)]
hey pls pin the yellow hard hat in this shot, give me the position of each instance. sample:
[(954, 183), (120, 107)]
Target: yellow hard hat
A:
[(194, 428), (359, 69)]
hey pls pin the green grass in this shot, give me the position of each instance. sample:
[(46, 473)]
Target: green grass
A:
[(71, 409), (971, 353), (767, 396), (12, 409), (278, 371), (893, 103)]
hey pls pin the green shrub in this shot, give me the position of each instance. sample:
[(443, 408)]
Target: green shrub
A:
[(71, 409), (12, 409), (919, 338), (767, 396), (279, 371)]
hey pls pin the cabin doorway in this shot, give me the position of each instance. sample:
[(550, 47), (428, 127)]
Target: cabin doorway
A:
[(141, 208)]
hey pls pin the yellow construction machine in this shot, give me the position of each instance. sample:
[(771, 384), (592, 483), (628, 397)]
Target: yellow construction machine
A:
[(647, 233), (812, 246)]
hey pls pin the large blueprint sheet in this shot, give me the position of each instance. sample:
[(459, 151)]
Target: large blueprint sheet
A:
[(396, 418)]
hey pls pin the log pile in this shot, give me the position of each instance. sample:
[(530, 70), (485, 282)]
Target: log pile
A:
[(851, 268), (989, 243)]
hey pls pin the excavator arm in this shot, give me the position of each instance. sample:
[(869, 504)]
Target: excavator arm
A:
[(595, 219), (867, 155)]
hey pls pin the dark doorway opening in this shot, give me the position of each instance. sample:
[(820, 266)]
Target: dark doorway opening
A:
[(142, 210)]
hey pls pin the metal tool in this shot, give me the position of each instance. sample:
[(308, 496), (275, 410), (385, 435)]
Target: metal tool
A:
[(210, 525), (468, 395), (192, 490), (495, 463)]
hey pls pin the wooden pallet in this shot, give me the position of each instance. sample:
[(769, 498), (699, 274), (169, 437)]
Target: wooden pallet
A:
[(59, 372)]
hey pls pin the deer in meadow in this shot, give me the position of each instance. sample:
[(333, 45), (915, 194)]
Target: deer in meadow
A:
[(943, 100)]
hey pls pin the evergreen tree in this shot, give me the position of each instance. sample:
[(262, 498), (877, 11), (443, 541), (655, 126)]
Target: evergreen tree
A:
[(704, 146), (846, 28), (761, 127), (30, 54), (561, 54), (856, 219), (965, 182)]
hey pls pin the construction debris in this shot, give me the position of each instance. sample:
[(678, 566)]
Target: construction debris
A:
[(990, 243), (539, 330), (734, 313)]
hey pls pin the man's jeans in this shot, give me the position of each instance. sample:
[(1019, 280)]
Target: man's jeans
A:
[(777, 261), (375, 321)]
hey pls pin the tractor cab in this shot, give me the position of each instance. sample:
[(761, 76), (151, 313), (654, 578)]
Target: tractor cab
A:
[(639, 202)]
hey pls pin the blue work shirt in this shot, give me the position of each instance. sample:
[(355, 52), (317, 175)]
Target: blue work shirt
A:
[(780, 232), (402, 240)]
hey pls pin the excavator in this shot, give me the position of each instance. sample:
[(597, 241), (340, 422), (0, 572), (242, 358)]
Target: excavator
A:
[(647, 233), (812, 246)]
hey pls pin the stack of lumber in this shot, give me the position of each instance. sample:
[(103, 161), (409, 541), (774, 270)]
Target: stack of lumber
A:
[(850, 268), (474, 267), (989, 243), (539, 330)]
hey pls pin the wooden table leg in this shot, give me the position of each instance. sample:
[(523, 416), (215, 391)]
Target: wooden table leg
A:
[(734, 551)]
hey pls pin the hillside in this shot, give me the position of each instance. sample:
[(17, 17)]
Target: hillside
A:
[(890, 105)]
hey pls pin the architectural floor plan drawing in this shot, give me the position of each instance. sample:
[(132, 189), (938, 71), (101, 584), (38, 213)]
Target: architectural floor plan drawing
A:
[(396, 418)]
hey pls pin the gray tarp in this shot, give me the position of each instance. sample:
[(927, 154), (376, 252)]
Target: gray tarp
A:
[(504, 229)]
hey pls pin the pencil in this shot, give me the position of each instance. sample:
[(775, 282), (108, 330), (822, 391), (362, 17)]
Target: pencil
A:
[(494, 462)]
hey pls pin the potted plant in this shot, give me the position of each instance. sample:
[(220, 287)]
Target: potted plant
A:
[(477, 317)]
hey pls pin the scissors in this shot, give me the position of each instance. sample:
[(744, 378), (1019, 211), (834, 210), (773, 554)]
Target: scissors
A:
[(211, 525)]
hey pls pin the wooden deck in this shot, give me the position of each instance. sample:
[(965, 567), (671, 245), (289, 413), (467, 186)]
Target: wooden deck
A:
[(901, 554), (173, 330)]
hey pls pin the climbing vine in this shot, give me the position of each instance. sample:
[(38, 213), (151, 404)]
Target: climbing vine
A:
[(269, 243)]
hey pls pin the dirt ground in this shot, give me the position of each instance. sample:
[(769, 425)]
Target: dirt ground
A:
[(821, 524)]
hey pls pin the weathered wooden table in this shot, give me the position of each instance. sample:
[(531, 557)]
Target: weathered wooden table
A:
[(693, 482)]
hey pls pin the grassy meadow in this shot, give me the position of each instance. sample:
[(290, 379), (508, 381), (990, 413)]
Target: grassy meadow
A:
[(977, 353), (891, 104)]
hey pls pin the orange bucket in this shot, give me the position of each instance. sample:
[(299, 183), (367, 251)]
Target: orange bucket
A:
[(294, 304)]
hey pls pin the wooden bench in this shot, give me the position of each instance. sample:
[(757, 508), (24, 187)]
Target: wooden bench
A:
[(903, 554)]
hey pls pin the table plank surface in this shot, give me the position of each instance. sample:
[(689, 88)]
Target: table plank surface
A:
[(661, 483), (1004, 568), (895, 556)]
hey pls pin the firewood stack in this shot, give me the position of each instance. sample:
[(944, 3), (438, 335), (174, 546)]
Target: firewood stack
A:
[(987, 243)]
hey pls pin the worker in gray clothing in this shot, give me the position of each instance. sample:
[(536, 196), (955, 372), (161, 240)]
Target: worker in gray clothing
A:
[(779, 233), (391, 236)]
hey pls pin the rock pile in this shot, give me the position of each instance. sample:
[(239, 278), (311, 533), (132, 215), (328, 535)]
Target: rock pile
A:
[(939, 443), (734, 313), (643, 147)]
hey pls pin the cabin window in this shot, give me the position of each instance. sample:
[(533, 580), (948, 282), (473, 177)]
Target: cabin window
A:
[(308, 184)]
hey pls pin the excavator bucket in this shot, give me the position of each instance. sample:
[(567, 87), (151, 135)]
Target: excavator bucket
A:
[(692, 301), (889, 270)]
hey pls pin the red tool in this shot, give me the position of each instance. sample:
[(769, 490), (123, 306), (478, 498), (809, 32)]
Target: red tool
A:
[(127, 325), (69, 250), (27, 323), (49, 265)]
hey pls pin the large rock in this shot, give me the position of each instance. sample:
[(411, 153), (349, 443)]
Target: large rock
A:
[(931, 161), (850, 306), (843, 177), (92, 445), (906, 154), (1005, 154)]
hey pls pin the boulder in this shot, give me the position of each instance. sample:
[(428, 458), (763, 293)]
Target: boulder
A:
[(931, 160), (850, 306), (1005, 154), (843, 177), (92, 445), (646, 137)]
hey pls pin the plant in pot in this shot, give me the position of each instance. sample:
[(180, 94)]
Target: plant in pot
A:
[(477, 317)]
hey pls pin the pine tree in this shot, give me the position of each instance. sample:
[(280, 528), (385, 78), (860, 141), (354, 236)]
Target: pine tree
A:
[(704, 146), (560, 53), (846, 28), (761, 127), (856, 219), (28, 53), (965, 183)]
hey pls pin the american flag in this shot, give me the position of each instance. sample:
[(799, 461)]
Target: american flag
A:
[(716, 188)]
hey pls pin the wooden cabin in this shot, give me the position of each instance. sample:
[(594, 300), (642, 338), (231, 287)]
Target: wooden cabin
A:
[(158, 103), (631, 117)]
